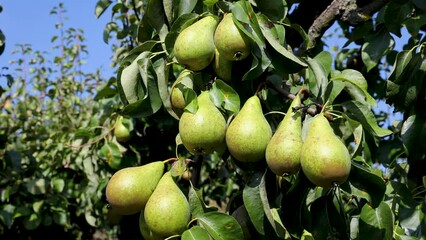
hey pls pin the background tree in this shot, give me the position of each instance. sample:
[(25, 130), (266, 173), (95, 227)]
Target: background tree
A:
[(60, 142)]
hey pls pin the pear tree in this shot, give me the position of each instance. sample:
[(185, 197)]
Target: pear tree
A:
[(308, 152)]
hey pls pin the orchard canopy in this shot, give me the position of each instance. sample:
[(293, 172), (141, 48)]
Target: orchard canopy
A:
[(205, 87)]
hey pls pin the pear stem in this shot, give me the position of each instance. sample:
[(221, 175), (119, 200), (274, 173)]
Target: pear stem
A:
[(283, 92), (170, 159)]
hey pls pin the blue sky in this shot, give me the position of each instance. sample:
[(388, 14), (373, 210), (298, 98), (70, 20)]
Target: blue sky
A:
[(30, 22)]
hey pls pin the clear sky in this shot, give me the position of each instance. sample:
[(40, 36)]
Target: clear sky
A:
[(30, 22)]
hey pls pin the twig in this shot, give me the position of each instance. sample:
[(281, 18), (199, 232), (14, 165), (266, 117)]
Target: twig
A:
[(347, 10)]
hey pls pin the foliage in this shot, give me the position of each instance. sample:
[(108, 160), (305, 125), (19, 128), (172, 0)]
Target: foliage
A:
[(56, 179)]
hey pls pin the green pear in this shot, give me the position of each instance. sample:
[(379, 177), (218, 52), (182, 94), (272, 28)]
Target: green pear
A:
[(167, 211), (231, 43), (130, 80), (222, 67), (204, 131), (283, 151), (121, 132), (129, 188), (325, 160), (177, 99), (194, 46), (249, 133), (146, 233)]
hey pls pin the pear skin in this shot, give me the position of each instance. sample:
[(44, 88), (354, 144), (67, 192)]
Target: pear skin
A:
[(147, 234), (249, 132), (232, 44), (222, 67), (204, 131), (129, 188), (167, 211), (325, 160), (283, 151), (194, 46), (177, 99), (121, 132)]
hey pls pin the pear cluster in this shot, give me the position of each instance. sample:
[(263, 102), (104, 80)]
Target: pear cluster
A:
[(163, 208), (248, 137), (208, 41)]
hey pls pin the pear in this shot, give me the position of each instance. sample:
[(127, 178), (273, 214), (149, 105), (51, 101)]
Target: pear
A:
[(146, 233), (204, 131), (129, 188), (283, 151), (249, 133), (231, 43), (325, 160), (130, 80), (167, 211), (177, 99), (222, 67), (194, 46), (121, 132)]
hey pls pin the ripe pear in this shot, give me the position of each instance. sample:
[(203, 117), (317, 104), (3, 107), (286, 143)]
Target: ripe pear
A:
[(249, 133), (121, 132), (167, 211), (232, 44), (204, 131), (177, 99), (194, 46), (130, 80), (129, 188), (222, 67), (325, 160), (283, 151)]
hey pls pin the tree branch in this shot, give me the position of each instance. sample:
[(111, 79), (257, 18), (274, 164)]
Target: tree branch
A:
[(347, 10)]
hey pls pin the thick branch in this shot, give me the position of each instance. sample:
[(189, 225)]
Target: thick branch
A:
[(347, 10)]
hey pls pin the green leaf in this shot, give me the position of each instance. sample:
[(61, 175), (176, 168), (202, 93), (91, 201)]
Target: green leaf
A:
[(293, 204), (317, 77), (221, 226), (334, 88), (197, 205), (363, 114), (185, 7), (413, 136), (57, 184), (363, 183), (289, 62), (112, 154), (276, 10), (394, 16), (84, 132), (257, 204), (376, 223), (101, 6), (420, 4), (326, 220), (253, 201), (195, 233), (37, 186), (356, 85), (155, 17), (6, 214), (225, 96), (151, 102), (375, 47), (32, 222), (412, 219)]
